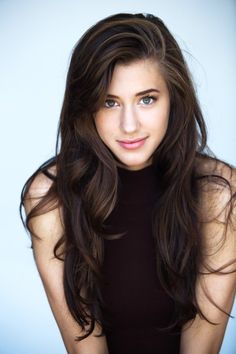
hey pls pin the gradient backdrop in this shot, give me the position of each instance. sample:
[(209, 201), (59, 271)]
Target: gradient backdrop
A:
[(36, 40)]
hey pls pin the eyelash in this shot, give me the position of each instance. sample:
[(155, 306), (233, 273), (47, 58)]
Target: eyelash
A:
[(109, 100), (153, 98)]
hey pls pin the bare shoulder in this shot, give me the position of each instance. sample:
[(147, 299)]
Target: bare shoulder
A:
[(207, 166), (43, 210), (217, 212), (37, 188), (217, 189), (41, 184)]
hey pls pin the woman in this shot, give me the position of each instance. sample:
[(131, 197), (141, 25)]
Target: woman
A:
[(133, 222)]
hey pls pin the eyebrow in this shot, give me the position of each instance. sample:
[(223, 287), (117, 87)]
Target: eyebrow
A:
[(141, 93)]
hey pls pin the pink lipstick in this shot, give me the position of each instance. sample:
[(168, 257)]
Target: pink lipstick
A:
[(132, 144)]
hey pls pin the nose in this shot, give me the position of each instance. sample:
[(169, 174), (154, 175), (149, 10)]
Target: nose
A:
[(129, 122)]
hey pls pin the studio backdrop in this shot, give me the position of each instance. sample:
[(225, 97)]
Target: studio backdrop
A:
[(36, 39)]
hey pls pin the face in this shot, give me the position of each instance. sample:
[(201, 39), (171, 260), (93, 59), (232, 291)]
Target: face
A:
[(134, 118)]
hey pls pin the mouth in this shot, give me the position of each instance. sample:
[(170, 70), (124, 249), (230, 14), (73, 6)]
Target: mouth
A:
[(132, 144)]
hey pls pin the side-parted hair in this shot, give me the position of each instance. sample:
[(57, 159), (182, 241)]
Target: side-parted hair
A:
[(86, 180)]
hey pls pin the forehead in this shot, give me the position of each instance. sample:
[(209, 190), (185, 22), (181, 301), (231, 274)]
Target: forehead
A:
[(136, 76)]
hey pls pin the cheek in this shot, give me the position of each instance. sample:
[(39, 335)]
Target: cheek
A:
[(159, 121), (104, 127), (164, 115)]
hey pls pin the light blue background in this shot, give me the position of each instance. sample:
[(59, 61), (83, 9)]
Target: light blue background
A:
[(36, 38)]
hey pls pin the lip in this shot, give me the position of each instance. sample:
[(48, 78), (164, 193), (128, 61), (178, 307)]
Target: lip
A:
[(132, 144)]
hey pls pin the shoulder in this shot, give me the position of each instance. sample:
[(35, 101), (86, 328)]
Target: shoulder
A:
[(217, 188), (43, 212), (209, 166), (217, 212), (37, 187), (41, 182)]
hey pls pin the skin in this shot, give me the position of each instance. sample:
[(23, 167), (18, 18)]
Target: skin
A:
[(128, 116), (129, 113)]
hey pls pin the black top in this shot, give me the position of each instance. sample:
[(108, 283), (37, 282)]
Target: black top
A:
[(136, 304)]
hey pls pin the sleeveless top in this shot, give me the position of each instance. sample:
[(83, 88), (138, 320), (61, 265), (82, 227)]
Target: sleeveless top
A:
[(136, 305)]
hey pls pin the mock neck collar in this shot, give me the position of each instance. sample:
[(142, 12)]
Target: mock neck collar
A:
[(137, 186)]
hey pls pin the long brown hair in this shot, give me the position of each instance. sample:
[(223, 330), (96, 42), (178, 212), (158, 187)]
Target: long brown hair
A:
[(85, 185)]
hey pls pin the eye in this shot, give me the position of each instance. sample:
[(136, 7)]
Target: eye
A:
[(110, 103), (147, 100)]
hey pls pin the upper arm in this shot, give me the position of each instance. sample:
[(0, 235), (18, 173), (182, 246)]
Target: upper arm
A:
[(48, 229), (215, 292)]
